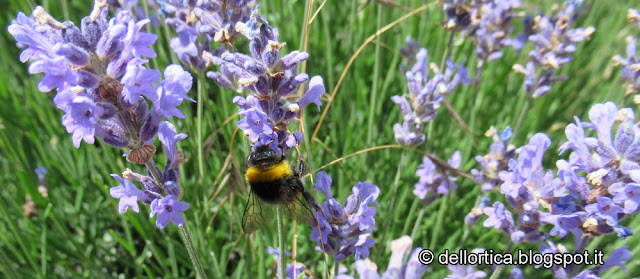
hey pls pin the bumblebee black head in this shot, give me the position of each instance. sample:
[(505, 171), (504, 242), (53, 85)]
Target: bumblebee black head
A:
[(263, 156)]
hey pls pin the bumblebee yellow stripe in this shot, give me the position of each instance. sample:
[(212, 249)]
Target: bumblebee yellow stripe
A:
[(271, 173)]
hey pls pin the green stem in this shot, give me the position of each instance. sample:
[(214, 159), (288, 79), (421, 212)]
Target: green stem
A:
[(186, 238), (417, 224), (496, 273), (280, 242), (200, 103), (412, 212), (336, 268), (374, 87), (447, 50), (387, 221), (438, 226), (523, 112)]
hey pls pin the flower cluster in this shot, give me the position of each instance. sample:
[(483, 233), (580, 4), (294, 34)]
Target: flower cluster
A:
[(616, 257), (199, 23), (345, 230), (494, 28), (466, 271), (594, 190), (271, 79), (103, 88), (425, 95), (496, 161), (296, 269), (137, 10), (397, 268), (630, 65), (100, 77), (433, 184), (555, 41), (487, 22)]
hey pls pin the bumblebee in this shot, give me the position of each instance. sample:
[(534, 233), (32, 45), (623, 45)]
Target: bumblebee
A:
[(275, 182)]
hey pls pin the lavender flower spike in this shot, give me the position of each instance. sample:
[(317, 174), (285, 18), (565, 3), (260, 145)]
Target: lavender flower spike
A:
[(421, 104), (345, 230), (397, 268), (128, 194), (271, 79), (432, 184), (292, 269)]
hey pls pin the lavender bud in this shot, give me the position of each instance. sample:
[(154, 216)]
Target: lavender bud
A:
[(150, 125), (270, 53), (220, 80), (74, 54), (152, 196), (291, 85), (110, 43), (123, 100), (140, 112), (74, 36), (171, 174), (91, 31), (255, 46), (148, 184), (292, 59), (87, 79), (107, 110), (117, 67), (112, 133), (173, 188), (262, 86)]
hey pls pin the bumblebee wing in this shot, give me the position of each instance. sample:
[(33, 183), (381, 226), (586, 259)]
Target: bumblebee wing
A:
[(300, 209), (256, 214)]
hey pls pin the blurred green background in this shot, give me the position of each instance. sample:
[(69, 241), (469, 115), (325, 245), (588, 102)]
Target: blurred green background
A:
[(78, 233)]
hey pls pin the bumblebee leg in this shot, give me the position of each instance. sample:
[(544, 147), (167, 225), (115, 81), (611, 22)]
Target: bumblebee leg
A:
[(310, 200), (302, 168)]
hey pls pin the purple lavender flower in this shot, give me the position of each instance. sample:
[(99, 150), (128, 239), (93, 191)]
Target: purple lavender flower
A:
[(425, 95), (499, 218), (172, 91), (555, 42), (128, 194), (400, 247), (606, 210), (494, 29), (630, 72), (100, 76), (345, 230), (606, 160), (291, 269), (103, 88), (199, 23), (629, 198), (516, 273), (527, 184), (496, 161), (168, 209), (616, 257), (459, 14), (432, 184), (136, 9), (466, 271), (409, 52), (271, 78)]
